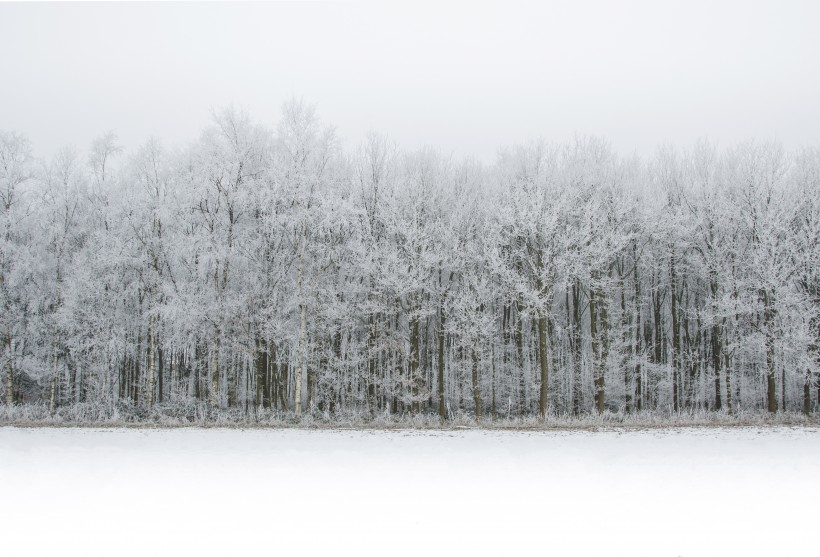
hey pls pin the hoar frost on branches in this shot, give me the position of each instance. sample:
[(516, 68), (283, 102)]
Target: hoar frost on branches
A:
[(265, 270)]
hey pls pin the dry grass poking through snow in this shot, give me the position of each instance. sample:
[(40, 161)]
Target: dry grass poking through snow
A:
[(200, 415)]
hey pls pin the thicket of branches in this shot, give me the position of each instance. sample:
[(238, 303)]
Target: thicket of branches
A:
[(266, 270)]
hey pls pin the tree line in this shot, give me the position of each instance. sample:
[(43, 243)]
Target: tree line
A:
[(267, 270)]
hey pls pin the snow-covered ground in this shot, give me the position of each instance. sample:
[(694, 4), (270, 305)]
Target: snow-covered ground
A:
[(273, 492)]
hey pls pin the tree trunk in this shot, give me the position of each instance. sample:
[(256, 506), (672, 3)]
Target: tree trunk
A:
[(814, 351), (476, 386), (519, 343), (505, 354), (123, 377), (414, 356), (626, 360), (638, 352), (658, 323), (284, 380), (310, 372), (160, 370), (301, 359), (771, 389), (9, 372), (135, 379), (261, 365), (151, 365), (543, 354), (442, 410), (717, 345), (493, 408), (807, 393), (52, 397), (604, 332), (213, 392), (597, 367), (675, 337), (372, 360), (576, 340), (301, 362), (727, 367), (783, 389)]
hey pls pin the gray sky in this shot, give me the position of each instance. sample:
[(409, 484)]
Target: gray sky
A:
[(464, 77)]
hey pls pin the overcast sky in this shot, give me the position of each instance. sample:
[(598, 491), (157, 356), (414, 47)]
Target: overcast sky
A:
[(464, 77)]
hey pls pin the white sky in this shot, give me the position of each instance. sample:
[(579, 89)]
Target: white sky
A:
[(464, 77)]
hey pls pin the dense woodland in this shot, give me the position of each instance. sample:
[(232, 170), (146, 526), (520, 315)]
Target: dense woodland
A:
[(266, 271)]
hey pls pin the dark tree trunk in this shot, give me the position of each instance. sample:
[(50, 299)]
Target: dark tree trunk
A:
[(576, 339), (717, 345), (597, 367), (543, 356), (442, 410), (9, 371), (284, 384), (160, 372), (261, 364), (135, 386), (638, 349), (519, 344), (675, 337), (476, 386), (807, 393), (768, 315), (604, 332), (626, 360), (414, 361)]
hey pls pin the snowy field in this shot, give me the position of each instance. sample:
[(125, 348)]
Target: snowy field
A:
[(273, 492)]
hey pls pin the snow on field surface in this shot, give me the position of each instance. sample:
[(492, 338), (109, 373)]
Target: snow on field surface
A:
[(271, 492)]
